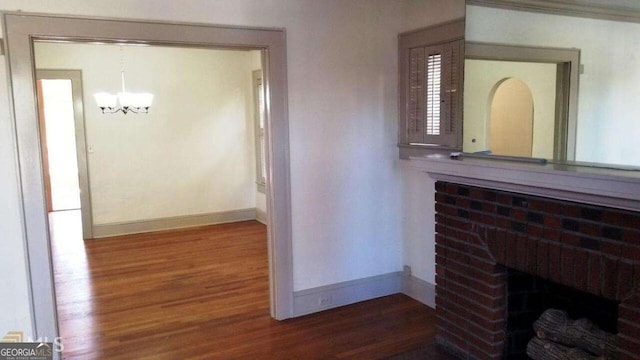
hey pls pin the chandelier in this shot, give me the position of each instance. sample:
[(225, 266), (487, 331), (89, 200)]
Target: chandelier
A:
[(127, 101)]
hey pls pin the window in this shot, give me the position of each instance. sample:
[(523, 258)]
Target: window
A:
[(259, 111), (430, 74)]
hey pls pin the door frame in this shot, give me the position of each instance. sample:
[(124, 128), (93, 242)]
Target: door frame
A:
[(21, 29), (567, 85), (81, 143)]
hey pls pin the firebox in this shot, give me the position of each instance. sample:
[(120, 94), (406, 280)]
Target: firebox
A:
[(529, 296), (487, 237)]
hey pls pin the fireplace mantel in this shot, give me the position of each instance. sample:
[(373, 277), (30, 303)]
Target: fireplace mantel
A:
[(599, 186)]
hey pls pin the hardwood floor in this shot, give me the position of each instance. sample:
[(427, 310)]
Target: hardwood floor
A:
[(202, 293)]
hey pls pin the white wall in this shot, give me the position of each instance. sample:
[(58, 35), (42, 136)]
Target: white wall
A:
[(192, 154), (479, 80), (347, 184), (418, 188), (608, 126)]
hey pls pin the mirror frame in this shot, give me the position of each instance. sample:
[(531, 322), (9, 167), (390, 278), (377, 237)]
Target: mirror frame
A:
[(22, 29)]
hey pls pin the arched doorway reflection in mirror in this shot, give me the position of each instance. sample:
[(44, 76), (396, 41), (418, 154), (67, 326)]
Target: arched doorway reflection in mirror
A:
[(510, 118)]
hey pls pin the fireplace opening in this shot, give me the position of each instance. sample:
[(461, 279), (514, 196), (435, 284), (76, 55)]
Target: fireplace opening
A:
[(529, 296)]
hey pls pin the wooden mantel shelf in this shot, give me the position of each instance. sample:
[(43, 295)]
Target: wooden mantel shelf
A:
[(606, 187)]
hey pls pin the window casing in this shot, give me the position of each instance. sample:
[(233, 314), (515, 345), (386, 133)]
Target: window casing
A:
[(430, 87)]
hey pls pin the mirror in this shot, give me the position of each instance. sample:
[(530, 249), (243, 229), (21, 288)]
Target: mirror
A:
[(584, 110)]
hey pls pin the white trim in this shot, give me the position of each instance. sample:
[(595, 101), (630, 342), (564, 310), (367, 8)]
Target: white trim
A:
[(345, 293), (261, 216), (599, 186), (579, 8), (420, 290), (174, 222)]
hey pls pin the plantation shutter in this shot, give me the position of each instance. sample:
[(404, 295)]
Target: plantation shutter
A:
[(443, 103), (431, 87)]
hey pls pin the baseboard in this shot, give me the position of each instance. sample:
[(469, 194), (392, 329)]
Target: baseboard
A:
[(345, 293), (261, 216), (420, 290), (177, 222)]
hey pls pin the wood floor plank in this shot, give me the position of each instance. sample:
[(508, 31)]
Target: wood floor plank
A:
[(202, 293)]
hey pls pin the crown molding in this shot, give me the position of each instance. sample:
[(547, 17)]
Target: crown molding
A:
[(579, 8)]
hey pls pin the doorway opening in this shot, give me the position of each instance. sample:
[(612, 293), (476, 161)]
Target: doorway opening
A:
[(24, 29), (205, 145), (63, 143)]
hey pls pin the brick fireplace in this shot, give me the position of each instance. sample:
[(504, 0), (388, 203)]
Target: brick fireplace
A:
[(482, 234)]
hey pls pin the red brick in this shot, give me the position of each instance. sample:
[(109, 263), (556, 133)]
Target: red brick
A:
[(488, 219), (619, 218), (459, 246), (631, 237), (483, 346), (567, 271), (535, 230), (519, 214), (581, 269), (457, 256), (484, 265), (510, 256), (589, 228), (521, 253), (503, 198), (553, 207), (441, 250), (613, 248), (552, 234), (489, 195), (503, 222), (463, 202), (571, 210), (610, 278), (496, 325), (459, 224), (625, 279), (555, 262), (629, 314), (570, 239), (631, 330), (476, 193), (633, 302), (489, 208), (480, 252), (451, 189), (501, 246), (441, 229), (631, 252), (629, 345), (552, 221), (543, 260), (440, 186), (538, 205), (532, 255), (595, 274)]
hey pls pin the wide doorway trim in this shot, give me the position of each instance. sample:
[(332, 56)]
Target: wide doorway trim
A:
[(21, 29)]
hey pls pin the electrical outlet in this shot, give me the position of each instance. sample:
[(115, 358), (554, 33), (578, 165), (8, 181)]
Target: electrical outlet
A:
[(325, 300)]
